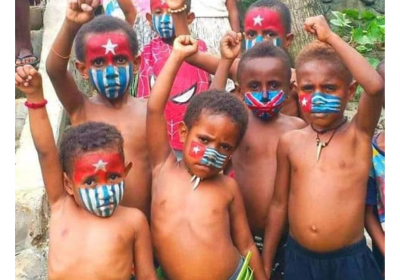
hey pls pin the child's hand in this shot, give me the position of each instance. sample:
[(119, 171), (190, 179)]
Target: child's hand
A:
[(81, 11), (185, 46), (318, 27), (175, 4), (28, 80), (230, 45)]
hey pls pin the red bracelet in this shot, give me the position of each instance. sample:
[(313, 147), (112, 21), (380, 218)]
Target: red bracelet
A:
[(36, 105)]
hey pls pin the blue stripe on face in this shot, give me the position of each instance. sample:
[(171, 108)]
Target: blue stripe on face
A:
[(124, 77), (325, 103), (213, 158), (106, 198), (164, 25), (277, 42), (110, 76), (252, 43)]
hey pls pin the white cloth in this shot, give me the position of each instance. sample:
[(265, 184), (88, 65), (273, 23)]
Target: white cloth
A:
[(209, 8)]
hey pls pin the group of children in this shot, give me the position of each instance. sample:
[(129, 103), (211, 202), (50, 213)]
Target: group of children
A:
[(140, 175)]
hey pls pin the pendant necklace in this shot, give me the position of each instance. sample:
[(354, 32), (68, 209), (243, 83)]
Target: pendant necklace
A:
[(320, 144), (195, 179)]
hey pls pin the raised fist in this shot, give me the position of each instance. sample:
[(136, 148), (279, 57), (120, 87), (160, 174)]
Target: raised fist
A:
[(319, 27), (231, 44), (81, 11)]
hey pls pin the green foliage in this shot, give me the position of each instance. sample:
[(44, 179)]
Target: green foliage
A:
[(247, 3)]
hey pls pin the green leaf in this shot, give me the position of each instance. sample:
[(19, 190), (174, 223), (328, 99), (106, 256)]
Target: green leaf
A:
[(373, 61), (363, 49), (336, 22), (374, 31), (382, 28), (357, 34), (353, 14), (368, 15), (364, 40)]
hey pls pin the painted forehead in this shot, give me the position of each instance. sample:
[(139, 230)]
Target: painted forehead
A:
[(111, 43), (155, 4), (97, 164), (260, 18)]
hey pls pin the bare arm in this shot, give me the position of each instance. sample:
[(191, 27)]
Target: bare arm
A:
[(158, 144), (129, 10), (143, 254), (371, 101), (233, 15), (278, 209), (241, 234), (374, 228), (28, 80)]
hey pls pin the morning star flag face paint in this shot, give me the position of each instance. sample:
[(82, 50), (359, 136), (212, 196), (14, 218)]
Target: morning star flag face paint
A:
[(102, 200), (265, 105), (320, 103), (263, 24), (164, 25), (109, 60), (209, 156), (158, 4)]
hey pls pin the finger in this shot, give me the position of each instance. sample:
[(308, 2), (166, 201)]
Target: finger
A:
[(95, 3), (21, 72), (73, 5), (86, 8), (18, 79), (240, 37), (32, 71)]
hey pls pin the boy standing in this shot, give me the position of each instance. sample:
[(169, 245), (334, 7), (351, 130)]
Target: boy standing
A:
[(106, 50), (323, 169), (91, 236), (198, 219)]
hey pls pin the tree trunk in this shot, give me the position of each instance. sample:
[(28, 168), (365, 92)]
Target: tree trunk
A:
[(300, 10)]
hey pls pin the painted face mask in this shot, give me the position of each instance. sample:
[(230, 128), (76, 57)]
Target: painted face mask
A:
[(108, 57), (209, 156), (265, 105), (102, 199), (320, 103), (162, 20), (260, 21)]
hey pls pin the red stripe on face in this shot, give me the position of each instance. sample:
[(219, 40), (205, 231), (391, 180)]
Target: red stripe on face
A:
[(161, 4), (98, 165), (197, 150), (305, 102), (264, 19), (107, 46)]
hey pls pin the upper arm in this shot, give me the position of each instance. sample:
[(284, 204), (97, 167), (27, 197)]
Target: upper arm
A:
[(143, 254), (233, 15), (129, 11)]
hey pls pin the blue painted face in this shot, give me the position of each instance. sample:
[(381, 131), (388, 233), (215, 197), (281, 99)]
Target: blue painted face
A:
[(265, 105), (102, 201), (112, 81), (325, 103), (251, 43), (164, 25), (213, 158)]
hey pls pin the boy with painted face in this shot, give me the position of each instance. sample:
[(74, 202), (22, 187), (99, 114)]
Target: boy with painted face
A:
[(91, 235), (106, 51), (263, 80), (322, 171), (189, 80), (198, 218)]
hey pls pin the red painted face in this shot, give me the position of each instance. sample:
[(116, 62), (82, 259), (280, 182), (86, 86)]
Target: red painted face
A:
[(158, 4), (98, 168), (107, 49), (264, 19)]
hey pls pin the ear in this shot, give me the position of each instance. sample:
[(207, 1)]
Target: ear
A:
[(149, 18), (67, 184), (183, 131), (352, 90), (190, 17), (127, 168), (82, 69), (136, 64), (289, 40)]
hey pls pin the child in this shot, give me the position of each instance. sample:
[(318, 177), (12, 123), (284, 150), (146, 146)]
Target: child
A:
[(199, 225), (375, 203), (91, 236), (263, 80), (106, 50), (189, 80), (322, 170)]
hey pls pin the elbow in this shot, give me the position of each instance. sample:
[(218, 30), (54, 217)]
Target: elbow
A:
[(379, 87)]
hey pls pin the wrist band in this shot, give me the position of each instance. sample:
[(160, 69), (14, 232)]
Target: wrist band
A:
[(59, 55), (36, 105), (177, 11)]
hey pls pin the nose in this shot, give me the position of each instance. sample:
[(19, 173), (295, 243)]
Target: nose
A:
[(265, 95), (166, 19), (110, 72)]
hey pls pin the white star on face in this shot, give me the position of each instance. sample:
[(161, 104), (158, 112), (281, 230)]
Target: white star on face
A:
[(258, 20), (196, 150), (110, 47), (100, 165), (304, 102)]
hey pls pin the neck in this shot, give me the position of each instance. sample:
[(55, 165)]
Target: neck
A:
[(116, 103), (332, 126), (169, 41)]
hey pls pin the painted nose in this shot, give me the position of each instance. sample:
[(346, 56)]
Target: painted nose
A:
[(110, 72), (265, 95)]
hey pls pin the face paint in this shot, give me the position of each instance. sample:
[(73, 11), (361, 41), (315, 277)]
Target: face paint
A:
[(265, 24), (320, 103), (208, 156), (158, 4), (109, 59), (164, 25), (265, 106), (102, 200)]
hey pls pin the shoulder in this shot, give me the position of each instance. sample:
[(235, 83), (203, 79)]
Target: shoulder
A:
[(135, 217), (290, 137), (293, 122)]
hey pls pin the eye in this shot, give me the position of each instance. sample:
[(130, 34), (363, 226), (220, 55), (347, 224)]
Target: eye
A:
[(251, 34), (98, 62), (226, 147), (330, 88), (203, 140), (269, 34), (114, 176), (120, 59), (254, 86), (274, 85), (307, 88), (89, 182)]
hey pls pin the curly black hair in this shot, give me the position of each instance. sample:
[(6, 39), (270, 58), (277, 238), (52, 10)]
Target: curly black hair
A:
[(261, 50), (217, 102), (103, 24), (89, 137), (278, 6)]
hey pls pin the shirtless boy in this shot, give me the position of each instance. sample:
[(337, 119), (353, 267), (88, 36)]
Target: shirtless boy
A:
[(199, 225), (106, 51), (91, 237), (323, 169), (263, 81)]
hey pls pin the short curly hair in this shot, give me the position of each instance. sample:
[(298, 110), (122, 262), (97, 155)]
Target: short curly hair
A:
[(317, 50), (104, 24), (278, 6), (217, 102), (89, 137)]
